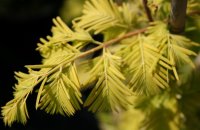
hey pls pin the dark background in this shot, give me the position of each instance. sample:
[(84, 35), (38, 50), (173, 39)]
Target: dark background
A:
[(22, 23)]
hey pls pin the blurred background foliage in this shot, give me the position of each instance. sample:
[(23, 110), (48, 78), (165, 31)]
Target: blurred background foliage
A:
[(71, 9)]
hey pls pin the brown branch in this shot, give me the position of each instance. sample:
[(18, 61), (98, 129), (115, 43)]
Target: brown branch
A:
[(195, 12), (112, 41), (178, 16), (103, 45), (148, 11)]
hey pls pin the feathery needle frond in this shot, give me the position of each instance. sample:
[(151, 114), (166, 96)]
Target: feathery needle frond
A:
[(51, 65), (109, 92), (99, 15), (61, 92), (15, 110), (175, 48), (61, 35), (142, 60)]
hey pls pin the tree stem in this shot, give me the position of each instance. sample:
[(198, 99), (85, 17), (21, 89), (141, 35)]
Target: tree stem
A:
[(112, 41), (105, 44), (178, 16), (148, 11)]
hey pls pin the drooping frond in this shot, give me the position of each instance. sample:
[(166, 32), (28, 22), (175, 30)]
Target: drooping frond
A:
[(60, 93), (61, 35), (15, 110), (176, 48), (109, 92), (146, 68), (57, 70), (99, 15)]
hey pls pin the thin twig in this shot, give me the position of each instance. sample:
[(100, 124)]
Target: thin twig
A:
[(112, 41), (195, 12), (83, 54), (103, 45), (148, 11)]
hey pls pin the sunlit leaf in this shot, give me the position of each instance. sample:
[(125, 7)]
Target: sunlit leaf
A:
[(15, 110), (144, 64), (61, 35), (99, 15), (61, 92), (109, 92)]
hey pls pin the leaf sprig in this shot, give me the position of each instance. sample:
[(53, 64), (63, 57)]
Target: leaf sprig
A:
[(15, 110), (109, 91), (59, 90), (146, 67), (146, 64), (61, 35), (59, 93), (176, 48)]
